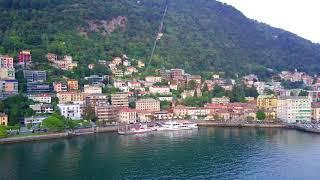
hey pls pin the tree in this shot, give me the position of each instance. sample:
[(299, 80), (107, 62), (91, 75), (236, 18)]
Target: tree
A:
[(3, 132), (132, 104), (251, 92), (71, 124), (218, 91), (89, 114), (54, 124), (261, 115), (192, 85), (205, 88), (164, 105), (303, 93)]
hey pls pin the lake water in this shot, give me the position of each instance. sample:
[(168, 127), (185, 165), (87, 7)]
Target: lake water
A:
[(206, 153)]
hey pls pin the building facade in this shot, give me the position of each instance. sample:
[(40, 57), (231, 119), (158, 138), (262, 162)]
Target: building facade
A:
[(35, 76), (72, 84), (148, 105), (127, 116), (294, 109), (3, 119), (73, 111), (75, 97), (106, 112), (120, 100)]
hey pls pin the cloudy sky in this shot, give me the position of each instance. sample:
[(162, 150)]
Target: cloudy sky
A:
[(301, 17)]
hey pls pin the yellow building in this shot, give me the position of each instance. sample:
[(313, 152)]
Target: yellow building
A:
[(72, 84), (66, 97), (3, 119), (267, 102)]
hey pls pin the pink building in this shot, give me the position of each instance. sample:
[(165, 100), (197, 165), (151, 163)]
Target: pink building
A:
[(25, 57), (59, 87), (6, 61)]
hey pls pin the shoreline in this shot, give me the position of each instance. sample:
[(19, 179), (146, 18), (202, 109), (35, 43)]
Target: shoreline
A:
[(87, 131)]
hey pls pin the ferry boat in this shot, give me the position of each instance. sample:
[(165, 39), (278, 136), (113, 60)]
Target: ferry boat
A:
[(174, 126), (136, 129)]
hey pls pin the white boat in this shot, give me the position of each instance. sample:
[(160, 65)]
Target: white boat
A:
[(174, 126), (135, 130)]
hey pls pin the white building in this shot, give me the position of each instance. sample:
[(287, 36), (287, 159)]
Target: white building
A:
[(159, 90), (153, 79), (34, 121), (42, 98), (72, 111), (92, 89), (294, 109), (222, 100)]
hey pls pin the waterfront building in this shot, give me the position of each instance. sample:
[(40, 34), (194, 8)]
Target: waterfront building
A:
[(163, 115), (42, 98), (198, 111), (41, 108), (127, 115), (120, 100), (72, 84), (148, 105), (267, 102), (180, 111), (222, 100), (67, 97), (73, 111), (314, 95), (315, 111), (34, 121), (3, 119), (35, 87), (92, 89), (6, 61), (106, 112), (294, 109), (35, 76)]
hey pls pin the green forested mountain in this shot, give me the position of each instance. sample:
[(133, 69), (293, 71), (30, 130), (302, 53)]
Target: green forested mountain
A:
[(198, 34)]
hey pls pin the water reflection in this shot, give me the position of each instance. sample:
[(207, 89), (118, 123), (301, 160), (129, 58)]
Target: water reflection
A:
[(206, 153)]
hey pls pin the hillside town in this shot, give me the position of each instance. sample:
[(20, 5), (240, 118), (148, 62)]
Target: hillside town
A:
[(129, 95)]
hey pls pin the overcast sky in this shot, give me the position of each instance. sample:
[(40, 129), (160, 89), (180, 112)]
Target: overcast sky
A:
[(301, 17)]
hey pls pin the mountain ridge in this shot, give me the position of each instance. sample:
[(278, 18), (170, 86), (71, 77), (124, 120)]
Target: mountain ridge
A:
[(204, 35)]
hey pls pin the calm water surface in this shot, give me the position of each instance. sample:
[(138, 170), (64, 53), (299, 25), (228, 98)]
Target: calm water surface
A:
[(207, 153)]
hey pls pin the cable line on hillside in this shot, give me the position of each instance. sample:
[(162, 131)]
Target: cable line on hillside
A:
[(158, 36)]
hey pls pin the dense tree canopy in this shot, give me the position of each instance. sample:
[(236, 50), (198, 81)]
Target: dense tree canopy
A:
[(199, 36)]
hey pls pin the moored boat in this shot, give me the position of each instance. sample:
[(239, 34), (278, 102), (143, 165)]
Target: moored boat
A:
[(135, 129), (174, 126)]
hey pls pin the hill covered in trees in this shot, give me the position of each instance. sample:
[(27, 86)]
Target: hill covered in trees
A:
[(202, 35)]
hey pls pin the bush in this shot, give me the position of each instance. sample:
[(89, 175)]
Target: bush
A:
[(54, 124)]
